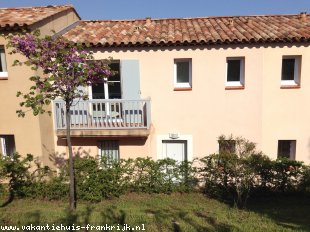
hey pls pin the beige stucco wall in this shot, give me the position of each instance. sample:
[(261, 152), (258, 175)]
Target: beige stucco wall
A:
[(33, 135), (262, 112)]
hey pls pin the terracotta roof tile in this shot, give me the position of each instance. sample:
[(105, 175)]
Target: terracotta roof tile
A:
[(208, 30), (26, 16)]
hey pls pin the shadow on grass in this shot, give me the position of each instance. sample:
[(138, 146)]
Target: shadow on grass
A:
[(107, 216), (182, 221), (290, 210)]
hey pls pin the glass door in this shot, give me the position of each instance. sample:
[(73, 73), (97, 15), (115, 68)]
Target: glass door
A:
[(108, 89)]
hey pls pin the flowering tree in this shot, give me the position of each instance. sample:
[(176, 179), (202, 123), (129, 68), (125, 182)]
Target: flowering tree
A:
[(65, 66)]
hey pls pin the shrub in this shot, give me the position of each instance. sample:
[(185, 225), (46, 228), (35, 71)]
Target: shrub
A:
[(286, 175), (305, 180), (16, 169), (231, 174)]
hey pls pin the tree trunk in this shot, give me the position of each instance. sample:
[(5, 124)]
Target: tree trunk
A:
[(72, 196)]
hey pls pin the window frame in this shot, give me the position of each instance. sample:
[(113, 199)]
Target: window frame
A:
[(227, 146), (292, 155), (100, 150), (297, 71), (106, 82), (3, 74), (7, 144), (241, 81), (186, 84)]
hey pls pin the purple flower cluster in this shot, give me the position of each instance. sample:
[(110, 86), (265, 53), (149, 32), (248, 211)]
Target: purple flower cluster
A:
[(26, 45), (65, 64)]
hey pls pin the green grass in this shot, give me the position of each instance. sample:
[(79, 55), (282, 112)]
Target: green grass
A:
[(176, 212)]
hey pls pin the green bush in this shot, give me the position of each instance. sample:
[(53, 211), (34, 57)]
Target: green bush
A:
[(16, 170), (232, 174), (305, 180)]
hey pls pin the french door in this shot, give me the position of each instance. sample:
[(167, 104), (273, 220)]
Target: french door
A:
[(107, 89)]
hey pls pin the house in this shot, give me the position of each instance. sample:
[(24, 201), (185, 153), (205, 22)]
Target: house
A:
[(181, 83), (30, 134)]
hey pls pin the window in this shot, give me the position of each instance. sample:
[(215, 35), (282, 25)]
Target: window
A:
[(7, 144), (287, 149), (291, 70), (183, 73), (3, 70), (227, 146), (109, 150), (109, 89), (235, 71)]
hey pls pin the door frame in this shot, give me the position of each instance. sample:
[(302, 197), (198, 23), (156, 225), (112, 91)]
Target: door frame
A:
[(168, 137)]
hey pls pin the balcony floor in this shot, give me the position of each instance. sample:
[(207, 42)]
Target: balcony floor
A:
[(105, 132)]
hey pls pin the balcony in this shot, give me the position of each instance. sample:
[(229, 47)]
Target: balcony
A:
[(100, 117)]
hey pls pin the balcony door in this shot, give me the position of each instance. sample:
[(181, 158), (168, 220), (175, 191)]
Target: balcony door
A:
[(124, 85), (109, 88)]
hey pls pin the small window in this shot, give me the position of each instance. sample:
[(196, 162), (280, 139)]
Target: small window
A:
[(3, 69), (7, 145), (109, 150), (227, 146), (291, 70), (287, 149), (183, 73), (235, 71)]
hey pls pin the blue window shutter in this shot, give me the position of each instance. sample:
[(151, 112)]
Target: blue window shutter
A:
[(130, 75)]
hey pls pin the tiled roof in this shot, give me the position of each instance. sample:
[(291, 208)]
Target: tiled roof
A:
[(26, 16), (208, 30)]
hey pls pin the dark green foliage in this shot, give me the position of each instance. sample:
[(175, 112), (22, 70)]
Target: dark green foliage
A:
[(16, 170), (235, 175), (232, 175), (305, 180)]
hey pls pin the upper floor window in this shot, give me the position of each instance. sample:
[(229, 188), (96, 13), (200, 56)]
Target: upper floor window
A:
[(235, 71), (291, 70), (183, 73), (3, 69)]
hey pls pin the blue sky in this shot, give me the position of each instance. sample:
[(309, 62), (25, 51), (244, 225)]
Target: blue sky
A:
[(127, 9)]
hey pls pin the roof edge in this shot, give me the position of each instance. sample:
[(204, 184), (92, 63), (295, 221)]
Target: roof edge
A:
[(186, 18)]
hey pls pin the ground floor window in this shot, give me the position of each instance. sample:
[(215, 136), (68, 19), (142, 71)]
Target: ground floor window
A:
[(227, 146), (287, 149), (109, 150), (7, 144), (174, 149)]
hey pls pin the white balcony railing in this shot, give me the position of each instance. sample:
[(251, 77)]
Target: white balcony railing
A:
[(104, 114)]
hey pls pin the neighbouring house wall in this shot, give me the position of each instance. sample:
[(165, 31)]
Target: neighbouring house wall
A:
[(261, 112), (56, 22), (25, 130), (34, 135)]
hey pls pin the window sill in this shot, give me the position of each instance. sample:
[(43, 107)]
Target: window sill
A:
[(234, 87), (290, 87), (4, 78), (182, 89)]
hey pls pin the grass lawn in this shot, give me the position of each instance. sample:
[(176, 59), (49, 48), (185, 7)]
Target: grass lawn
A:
[(176, 212)]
